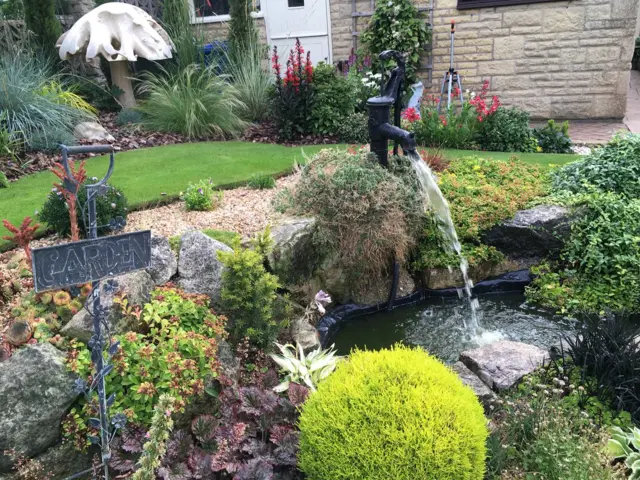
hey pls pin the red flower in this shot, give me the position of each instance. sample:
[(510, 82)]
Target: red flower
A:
[(443, 120), (411, 115)]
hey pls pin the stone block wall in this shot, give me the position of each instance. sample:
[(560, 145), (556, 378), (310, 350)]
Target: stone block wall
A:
[(219, 30), (555, 60)]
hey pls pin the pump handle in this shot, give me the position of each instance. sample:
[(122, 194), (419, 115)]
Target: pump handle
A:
[(396, 55), (453, 26)]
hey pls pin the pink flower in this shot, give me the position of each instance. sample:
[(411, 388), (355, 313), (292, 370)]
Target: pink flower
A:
[(411, 115)]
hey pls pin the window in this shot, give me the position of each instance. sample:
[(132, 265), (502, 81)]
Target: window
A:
[(467, 4), (296, 3), (211, 8)]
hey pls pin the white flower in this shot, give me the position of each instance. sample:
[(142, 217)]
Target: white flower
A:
[(396, 9), (113, 205), (389, 4)]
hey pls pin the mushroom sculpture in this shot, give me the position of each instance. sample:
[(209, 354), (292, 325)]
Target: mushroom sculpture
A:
[(121, 33)]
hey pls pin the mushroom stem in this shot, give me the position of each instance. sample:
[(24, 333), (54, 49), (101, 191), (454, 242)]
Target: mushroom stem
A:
[(120, 76)]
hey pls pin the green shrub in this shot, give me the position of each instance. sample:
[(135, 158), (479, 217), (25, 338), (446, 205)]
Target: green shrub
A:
[(506, 130), (452, 129), (261, 182), (481, 193), (550, 428), (599, 264), (26, 112), (4, 181), (128, 116), (12, 10), (397, 26), (366, 214), (354, 129), (195, 102), (176, 357), (40, 18), (333, 101), (56, 214), (202, 196), (613, 168), (10, 144), (552, 139), (248, 295), (396, 414)]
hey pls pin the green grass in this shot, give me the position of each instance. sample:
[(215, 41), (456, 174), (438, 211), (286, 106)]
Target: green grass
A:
[(544, 159), (157, 175), (152, 175), (223, 236)]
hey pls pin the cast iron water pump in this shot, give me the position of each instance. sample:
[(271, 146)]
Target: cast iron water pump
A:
[(380, 130)]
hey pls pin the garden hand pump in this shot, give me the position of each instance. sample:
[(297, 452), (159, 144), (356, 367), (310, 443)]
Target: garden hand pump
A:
[(380, 130), (451, 78)]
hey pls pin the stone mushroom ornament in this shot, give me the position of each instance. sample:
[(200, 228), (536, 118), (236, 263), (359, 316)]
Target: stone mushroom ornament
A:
[(121, 33)]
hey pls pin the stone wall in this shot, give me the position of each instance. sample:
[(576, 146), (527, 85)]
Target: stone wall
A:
[(219, 30), (555, 60)]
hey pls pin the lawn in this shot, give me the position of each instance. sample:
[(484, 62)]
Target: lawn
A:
[(151, 175), (544, 159)]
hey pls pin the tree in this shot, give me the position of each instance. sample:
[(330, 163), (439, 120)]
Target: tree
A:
[(242, 30), (40, 18)]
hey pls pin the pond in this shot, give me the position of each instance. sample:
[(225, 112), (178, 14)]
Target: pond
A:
[(437, 325)]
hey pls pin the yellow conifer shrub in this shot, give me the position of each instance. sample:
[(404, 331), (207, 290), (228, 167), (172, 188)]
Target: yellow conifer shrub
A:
[(393, 414)]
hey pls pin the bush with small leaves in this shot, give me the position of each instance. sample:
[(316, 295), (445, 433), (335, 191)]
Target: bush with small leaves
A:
[(202, 196), (55, 212), (506, 130), (397, 414), (354, 129), (552, 139)]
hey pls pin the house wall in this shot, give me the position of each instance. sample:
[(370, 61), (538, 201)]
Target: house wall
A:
[(555, 60), (219, 30)]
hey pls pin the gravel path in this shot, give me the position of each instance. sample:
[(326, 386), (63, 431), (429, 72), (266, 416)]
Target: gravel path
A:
[(243, 210)]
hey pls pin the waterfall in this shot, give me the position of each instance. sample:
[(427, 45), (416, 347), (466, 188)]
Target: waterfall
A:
[(433, 199)]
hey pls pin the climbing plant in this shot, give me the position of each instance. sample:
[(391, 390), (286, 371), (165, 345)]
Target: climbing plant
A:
[(396, 25)]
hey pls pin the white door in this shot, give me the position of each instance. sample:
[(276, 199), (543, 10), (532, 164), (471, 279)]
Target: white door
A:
[(307, 20)]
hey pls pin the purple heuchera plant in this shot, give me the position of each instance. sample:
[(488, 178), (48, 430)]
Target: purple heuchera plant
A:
[(255, 437)]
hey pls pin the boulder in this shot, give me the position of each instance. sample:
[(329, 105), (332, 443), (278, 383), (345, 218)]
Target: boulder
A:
[(92, 131), (379, 291), (229, 363), (471, 380), (198, 265), (136, 286), (304, 334), (164, 263), (439, 278), (538, 232), (502, 364), (293, 257), (36, 390)]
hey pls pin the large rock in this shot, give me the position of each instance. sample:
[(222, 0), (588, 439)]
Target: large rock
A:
[(537, 232), (136, 286), (304, 334), (293, 257), (502, 364), (36, 390), (164, 263), (198, 265), (92, 131), (470, 379)]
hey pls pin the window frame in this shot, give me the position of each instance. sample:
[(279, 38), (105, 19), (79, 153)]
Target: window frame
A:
[(470, 4), (216, 18)]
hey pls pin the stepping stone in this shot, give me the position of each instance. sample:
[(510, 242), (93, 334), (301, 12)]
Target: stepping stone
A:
[(470, 379), (502, 364)]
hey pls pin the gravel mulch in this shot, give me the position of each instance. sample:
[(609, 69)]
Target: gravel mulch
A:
[(243, 210)]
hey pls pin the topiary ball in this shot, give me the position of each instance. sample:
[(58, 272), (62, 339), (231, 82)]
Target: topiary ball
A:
[(393, 414), (55, 212)]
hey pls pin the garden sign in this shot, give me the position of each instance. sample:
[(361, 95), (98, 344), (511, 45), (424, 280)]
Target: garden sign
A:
[(92, 260)]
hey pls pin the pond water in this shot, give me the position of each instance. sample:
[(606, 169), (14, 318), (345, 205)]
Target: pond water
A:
[(437, 325)]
